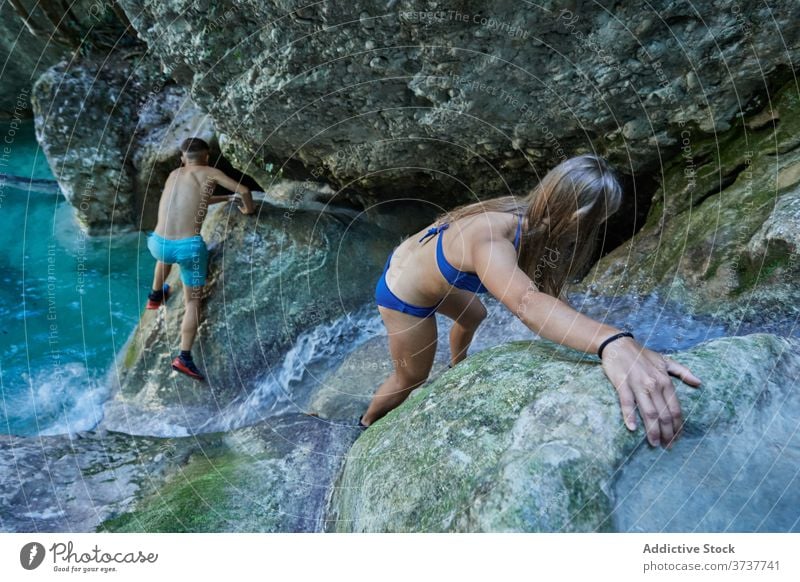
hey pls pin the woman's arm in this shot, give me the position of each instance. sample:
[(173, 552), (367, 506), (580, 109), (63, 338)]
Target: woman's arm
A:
[(640, 376)]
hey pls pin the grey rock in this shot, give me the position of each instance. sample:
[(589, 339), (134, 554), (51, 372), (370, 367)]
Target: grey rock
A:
[(347, 392), (71, 484), (721, 234), (437, 101), (272, 275), (110, 131), (529, 437)]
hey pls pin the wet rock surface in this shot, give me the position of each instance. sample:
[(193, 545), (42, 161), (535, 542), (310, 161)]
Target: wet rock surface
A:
[(271, 276), (528, 437)]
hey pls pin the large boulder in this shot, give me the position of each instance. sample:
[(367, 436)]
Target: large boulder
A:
[(529, 437), (272, 276), (721, 236), (448, 101), (110, 130)]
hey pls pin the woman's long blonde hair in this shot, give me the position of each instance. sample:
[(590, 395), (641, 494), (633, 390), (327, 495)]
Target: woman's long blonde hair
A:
[(564, 213)]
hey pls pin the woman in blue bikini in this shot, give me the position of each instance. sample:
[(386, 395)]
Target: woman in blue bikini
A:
[(522, 251)]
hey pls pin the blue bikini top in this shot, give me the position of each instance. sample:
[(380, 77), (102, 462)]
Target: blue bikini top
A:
[(460, 279)]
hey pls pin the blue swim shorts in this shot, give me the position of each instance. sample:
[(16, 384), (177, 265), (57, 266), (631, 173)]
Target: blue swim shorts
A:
[(191, 254)]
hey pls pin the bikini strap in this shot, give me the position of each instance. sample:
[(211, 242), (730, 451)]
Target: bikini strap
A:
[(519, 232), (433, 231)]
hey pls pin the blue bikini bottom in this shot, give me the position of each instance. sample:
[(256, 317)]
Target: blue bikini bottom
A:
[(385, 298)]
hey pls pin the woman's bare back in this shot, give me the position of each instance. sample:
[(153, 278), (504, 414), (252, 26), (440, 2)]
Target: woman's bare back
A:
[(414, 274)]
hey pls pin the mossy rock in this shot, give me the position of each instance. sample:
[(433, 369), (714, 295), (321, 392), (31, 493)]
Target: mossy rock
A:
[(520, 438), (722, 240), (273, 477)]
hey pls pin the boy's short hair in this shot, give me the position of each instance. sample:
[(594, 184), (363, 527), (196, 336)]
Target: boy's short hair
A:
[(194, 147)]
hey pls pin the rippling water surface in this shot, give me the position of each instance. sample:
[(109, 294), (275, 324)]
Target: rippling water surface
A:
[(67, 302)]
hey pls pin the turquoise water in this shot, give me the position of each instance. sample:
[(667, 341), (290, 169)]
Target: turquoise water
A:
[(67, 302)]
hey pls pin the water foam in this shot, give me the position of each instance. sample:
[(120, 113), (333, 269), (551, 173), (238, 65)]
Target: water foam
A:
[(61, 400), (287, 387)]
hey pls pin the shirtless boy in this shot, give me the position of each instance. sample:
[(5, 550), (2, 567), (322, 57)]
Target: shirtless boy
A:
[(181, 212)]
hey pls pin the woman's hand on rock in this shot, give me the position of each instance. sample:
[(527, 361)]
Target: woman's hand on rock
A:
[(642, 380)]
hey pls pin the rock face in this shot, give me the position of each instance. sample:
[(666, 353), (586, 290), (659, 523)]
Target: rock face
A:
[(347, 392), (63, 484), (271, 276), (404, 98), (528, 437), (274, 477), (24, 58), (36, 35), (721, 236), (111, 130)]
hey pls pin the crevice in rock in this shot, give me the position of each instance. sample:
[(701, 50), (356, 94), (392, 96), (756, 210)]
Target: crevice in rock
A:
[(632, 215), (785, 150), (764, 94), (220, 162), (723, 183)]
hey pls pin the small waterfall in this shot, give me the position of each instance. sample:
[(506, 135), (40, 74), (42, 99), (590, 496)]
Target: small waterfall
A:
[(286, 387)]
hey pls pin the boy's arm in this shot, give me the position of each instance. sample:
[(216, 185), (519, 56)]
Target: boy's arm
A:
[(237, 187)]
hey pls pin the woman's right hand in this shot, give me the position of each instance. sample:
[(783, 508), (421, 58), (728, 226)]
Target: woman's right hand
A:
[(640, 376), (643, 380)]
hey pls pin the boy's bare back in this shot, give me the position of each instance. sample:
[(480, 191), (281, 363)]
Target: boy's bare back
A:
[(185, 199)]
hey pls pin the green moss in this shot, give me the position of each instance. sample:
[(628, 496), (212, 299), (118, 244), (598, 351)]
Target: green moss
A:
[(587, 502), (194, 500), (753, 271), (131, 354)]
